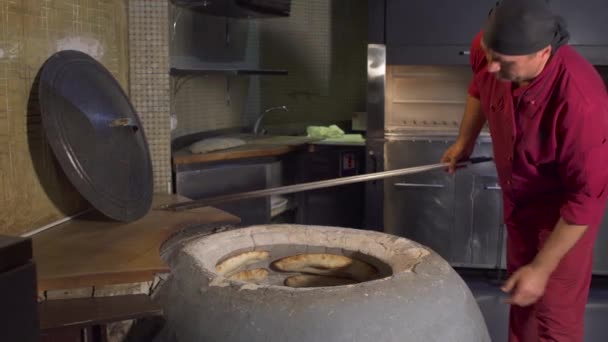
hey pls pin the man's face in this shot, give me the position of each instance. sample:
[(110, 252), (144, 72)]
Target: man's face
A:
[(516, 68)]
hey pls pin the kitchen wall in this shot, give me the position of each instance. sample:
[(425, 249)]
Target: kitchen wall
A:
[(216, 100), (322, 45), (33, 189), (149, 81), (129, 38)]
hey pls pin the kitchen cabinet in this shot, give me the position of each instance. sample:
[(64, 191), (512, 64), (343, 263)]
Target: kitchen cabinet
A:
[(442, 22), (375, 21), (586, 20), (420, 206), (374, 190), (587, 24), (196, 181), (479, 218), (458, 216), (438, 32), (343, 205)]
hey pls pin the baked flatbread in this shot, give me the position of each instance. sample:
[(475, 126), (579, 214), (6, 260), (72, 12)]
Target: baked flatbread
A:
[(238, 262), (255, 275), (327, 264)]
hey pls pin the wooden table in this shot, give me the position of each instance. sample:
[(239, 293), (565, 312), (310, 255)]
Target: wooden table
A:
[(256, 147), (86, 319), (242, 152), (92, 250)]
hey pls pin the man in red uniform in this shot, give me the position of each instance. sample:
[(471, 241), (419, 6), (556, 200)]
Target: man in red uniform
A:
[(547, 111)]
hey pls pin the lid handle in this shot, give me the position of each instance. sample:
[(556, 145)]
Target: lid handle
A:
[(124, 122)]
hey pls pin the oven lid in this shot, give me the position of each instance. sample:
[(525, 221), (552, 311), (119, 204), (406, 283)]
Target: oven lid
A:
[(96, 135)]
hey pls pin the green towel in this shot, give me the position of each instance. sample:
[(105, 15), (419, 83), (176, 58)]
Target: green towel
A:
[(321, 132)]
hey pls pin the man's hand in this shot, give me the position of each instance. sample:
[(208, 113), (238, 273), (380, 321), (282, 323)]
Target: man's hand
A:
[(526, 285), (457, 152)]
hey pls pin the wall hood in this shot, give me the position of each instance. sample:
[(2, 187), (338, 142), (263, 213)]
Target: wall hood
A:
[(238, 8)]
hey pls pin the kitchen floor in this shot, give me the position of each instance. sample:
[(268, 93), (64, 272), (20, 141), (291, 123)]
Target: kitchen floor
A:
[(491, 301)]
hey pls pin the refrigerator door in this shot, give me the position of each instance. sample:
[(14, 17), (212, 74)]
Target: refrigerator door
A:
[(376, 87)]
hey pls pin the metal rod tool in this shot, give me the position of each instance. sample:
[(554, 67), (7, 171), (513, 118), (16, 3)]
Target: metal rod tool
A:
[(314, 185)]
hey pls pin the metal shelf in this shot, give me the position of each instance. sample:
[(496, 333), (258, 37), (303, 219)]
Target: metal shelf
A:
[(246, 9), (195, 71), (182, 74)]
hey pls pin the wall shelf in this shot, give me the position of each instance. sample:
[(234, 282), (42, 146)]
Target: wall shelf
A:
[(247, 9), (182, 74), (180, 71)]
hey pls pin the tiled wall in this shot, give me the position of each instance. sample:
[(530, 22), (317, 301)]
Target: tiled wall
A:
[(149, 81), (210, 103), (33, 189)]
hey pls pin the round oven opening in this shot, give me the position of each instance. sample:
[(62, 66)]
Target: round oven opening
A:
[(301, 257), (301, 266)]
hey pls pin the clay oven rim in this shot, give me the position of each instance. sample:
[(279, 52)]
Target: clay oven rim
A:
[(398, 253)]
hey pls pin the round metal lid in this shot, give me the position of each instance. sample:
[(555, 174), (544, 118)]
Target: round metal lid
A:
[(96, 135)]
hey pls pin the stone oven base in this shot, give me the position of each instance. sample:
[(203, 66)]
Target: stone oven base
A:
[(418, 297)]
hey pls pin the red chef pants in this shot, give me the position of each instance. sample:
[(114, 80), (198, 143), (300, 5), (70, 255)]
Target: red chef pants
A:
[(559, 314)]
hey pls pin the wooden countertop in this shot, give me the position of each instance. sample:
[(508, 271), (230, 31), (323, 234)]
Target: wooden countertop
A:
[(254, 151), (256, 147), (92, 250)]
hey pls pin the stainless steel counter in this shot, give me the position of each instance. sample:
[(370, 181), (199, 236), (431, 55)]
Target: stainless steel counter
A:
[(459, 216)]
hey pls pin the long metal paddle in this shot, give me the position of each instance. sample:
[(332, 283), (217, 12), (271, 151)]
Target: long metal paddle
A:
[(281, 190)]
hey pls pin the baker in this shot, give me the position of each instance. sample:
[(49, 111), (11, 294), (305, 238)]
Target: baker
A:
[(547, 111)]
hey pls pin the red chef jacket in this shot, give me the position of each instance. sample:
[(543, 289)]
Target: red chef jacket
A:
[(549, 140)]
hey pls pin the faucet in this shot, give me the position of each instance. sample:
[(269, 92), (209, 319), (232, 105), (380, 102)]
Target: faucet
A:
[(256, 126)]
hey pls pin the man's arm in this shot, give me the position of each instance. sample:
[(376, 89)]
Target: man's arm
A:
[(582, 162), (530, 281), (560, 241), (472, 121), (473, 118)]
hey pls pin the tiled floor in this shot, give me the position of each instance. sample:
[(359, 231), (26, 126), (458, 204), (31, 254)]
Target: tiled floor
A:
[(496, 313)]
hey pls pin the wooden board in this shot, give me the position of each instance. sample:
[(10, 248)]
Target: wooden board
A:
[(91, 250), (86, 312)]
